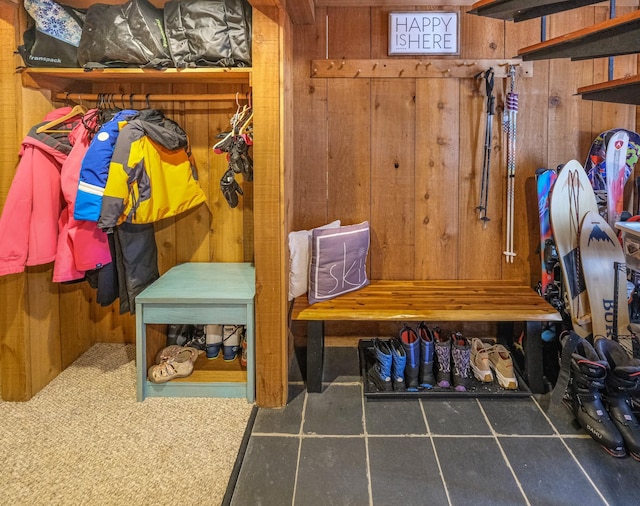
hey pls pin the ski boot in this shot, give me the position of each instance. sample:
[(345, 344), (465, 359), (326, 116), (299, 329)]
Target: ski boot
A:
[(588, 374), (380, 372), (427, 347), (623, 377), (411, 345), (398, 365)]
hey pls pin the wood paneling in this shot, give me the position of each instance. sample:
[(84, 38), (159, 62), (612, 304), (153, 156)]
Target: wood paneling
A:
[(437, 158), (392, 204), (45, 326), (308, 204), (416, 168)]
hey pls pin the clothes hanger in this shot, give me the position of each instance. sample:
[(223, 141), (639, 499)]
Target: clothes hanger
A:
[(49, 128)]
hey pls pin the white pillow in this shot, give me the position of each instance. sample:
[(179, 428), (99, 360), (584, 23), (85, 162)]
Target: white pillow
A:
[(299, 259)]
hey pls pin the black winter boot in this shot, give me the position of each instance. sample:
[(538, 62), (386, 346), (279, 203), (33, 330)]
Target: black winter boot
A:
[(622, 379), (588, 374)]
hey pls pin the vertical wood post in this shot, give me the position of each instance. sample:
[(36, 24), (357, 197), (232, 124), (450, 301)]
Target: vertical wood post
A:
[(270, 26)]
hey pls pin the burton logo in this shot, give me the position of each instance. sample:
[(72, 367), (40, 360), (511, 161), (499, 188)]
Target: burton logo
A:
[(618, 144), (597, 234)]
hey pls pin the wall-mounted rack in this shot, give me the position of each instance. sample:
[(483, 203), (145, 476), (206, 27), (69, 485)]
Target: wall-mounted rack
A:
[(620, 91), (613, 37), (410, 68), (521, 10)]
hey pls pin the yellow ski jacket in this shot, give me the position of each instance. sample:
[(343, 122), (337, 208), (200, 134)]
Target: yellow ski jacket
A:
[(151, 175)]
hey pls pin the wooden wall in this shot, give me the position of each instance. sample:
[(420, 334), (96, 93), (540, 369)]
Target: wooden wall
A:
[(406, 153), (52, 324)]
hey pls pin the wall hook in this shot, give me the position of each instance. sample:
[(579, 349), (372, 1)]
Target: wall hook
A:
[(357, 73), (341, 64), (330, 66), (374, 65)]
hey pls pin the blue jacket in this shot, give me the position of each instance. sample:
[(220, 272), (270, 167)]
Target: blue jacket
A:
[(95, 167)]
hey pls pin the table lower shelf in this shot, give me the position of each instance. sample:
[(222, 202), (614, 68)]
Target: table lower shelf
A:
[(210, 378), (195, 389), (477, 389)]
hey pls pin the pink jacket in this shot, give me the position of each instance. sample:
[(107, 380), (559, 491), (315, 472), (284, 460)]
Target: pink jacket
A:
[(82, 246), (29, 221)]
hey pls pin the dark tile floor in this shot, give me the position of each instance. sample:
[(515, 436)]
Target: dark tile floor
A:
[(338, 448)]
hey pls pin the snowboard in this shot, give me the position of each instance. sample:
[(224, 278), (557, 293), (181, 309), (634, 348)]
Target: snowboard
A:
[(571, 198), (605, 274), (596, 163), (617, 175), (544, 183)]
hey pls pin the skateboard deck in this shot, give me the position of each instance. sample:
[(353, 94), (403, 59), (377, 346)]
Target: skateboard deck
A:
[(605, 276), (571, 198)]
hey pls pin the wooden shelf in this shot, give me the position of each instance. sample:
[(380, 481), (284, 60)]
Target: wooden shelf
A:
[(613, 37), (78, 79), (620, 91), (215, 371), (521, 10)]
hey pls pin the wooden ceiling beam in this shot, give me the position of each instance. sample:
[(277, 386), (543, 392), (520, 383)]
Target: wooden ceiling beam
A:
[(301, 12)]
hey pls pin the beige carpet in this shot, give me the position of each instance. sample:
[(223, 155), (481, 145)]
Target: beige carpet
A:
[(85, 439)]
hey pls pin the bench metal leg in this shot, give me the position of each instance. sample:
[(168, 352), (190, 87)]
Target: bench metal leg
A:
[(533, 357), (315, 355)]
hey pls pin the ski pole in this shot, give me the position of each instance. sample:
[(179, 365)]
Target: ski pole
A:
[(486, 161), (510, 125)]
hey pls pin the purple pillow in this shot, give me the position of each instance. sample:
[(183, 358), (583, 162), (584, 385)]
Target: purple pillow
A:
[(338, 261)]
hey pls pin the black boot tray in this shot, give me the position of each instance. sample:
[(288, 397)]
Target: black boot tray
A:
[(477, 388)]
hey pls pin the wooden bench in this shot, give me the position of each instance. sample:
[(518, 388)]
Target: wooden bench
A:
[(504, 302)]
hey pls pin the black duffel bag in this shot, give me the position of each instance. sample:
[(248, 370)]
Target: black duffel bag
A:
[(53, 34), (206, 33), (126, 35)]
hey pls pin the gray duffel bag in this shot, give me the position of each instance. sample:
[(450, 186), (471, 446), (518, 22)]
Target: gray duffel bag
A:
[(209, 33)]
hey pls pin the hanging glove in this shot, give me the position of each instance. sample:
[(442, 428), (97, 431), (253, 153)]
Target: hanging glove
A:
[(239, 159), (230, 188)]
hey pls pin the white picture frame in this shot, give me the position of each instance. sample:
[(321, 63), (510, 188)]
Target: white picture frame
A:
[(424, 33)]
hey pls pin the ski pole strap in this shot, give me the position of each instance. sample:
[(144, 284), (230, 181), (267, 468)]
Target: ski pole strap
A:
[(512, 102), (568, 347), (489, 82)]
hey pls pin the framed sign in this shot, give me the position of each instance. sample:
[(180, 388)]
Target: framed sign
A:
[(424, 33)]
